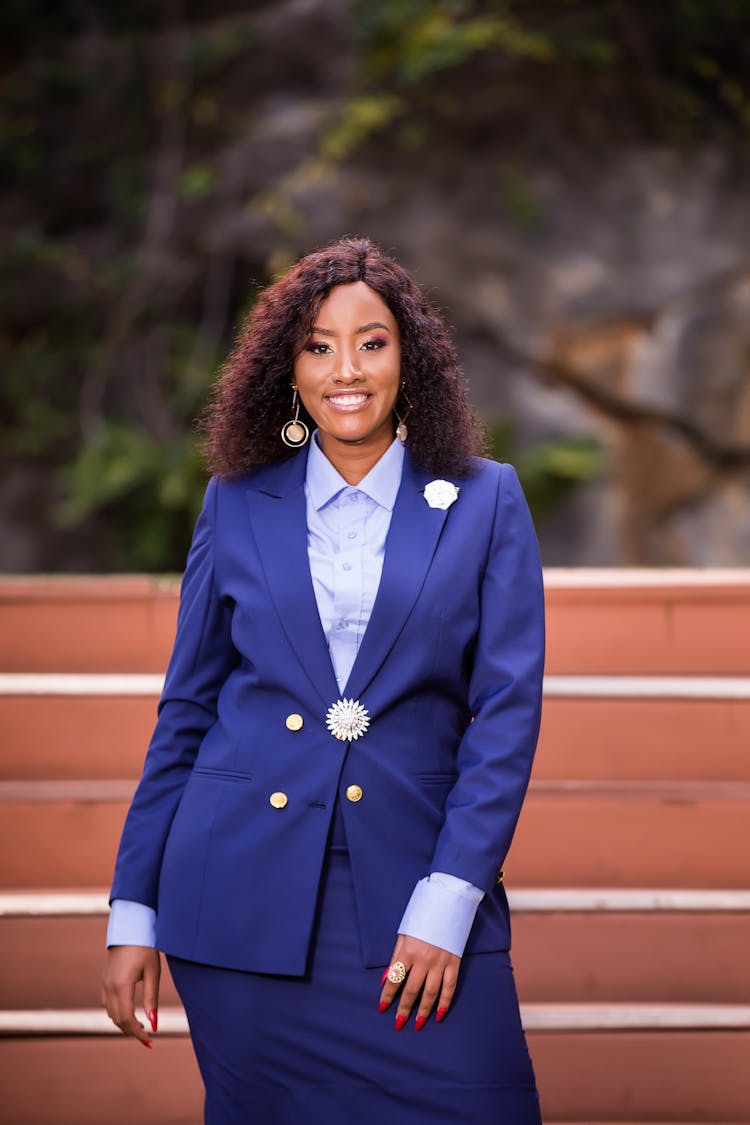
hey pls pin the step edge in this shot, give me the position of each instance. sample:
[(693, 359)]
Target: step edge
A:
[(535, 1017), (50, 790), (523, 900), (584, 686)]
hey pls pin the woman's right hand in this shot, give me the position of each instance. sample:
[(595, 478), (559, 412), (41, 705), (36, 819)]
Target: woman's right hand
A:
[(124, 967)]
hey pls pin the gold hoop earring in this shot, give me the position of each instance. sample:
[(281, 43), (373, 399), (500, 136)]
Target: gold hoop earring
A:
[(402, 432), (294, 433)]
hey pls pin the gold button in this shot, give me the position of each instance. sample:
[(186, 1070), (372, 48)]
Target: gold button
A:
[(294, 722), (500, 876), (354, 793), (278, 800)]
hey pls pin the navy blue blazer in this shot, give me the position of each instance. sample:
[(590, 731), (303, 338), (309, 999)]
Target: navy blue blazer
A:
[(449, 669)]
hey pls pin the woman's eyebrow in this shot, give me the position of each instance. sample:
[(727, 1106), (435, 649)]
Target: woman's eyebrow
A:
[(364, 328)]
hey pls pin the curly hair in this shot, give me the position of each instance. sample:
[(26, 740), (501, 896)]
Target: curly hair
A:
[(252, 397)]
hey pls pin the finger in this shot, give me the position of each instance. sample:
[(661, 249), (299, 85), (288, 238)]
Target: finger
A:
[(124, 1016), (447, 992), (390, 989), (431, 990), (410, 992), (151, 975)]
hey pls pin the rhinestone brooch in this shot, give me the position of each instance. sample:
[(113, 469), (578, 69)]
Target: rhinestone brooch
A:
[(347, 719)]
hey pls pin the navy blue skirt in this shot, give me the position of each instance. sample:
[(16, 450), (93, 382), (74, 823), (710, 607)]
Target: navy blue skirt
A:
[(278, 1050)]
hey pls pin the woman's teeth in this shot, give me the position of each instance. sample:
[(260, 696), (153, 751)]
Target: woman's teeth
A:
[(348, 400)]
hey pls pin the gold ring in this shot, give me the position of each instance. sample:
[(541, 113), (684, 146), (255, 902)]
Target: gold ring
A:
[(397, 972)]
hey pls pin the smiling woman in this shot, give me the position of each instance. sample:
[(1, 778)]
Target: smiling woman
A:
[(348, 375), (288, 333), (346, 731)]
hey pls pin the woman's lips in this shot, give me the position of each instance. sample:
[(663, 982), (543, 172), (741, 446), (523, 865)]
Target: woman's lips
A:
[(347, 403)]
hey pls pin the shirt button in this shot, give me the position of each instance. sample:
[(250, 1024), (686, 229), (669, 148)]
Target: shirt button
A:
[(347, 566), (354, 793), (355, 497), (342, 624), (352, 535)]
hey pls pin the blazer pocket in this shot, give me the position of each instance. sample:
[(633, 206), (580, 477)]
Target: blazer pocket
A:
[(221, 775), (442, 779)]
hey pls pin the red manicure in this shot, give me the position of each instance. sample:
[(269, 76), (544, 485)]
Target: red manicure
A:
[(419, 1022), (400, 1021), (383, 1006), (383, 978), (440, 1013), (145, 1043), (152, 1018)]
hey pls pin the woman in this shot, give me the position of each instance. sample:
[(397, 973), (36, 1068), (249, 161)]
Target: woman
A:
[(346, 731)]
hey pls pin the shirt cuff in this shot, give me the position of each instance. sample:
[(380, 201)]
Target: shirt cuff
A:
[(441, 911), (131, 923)]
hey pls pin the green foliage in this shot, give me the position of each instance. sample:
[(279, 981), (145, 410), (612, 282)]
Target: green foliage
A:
[(548, 470), (415, 41), (197, 181), (359, 119), (148, 491)]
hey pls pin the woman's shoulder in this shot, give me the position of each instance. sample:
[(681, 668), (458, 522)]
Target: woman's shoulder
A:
[(284, 473), (487, 472)]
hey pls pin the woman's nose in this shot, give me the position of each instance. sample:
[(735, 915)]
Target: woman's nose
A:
[(347, 369)]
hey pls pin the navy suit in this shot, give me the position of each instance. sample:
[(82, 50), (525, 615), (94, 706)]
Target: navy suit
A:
[(449, 669)]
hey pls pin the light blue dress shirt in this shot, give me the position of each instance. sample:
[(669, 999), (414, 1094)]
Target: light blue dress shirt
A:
[(347, 527)]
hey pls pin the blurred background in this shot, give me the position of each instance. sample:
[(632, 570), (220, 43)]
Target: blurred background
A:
[(567, 179)]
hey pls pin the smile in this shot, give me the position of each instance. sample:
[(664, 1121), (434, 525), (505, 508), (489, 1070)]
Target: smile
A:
[(350, 401)]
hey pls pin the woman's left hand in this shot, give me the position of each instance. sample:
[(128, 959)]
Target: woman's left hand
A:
[(431, 977)]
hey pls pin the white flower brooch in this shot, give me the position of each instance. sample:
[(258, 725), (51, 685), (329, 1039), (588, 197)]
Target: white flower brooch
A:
[(440, 493), (347, 719)]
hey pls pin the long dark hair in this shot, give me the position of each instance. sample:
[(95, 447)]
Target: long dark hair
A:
[(252, 397)]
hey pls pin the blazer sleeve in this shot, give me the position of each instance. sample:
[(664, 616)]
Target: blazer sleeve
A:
[(505, 695), (202, 658)]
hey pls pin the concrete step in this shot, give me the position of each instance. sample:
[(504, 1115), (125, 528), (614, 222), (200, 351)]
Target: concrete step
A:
[(627, 1063), (619, 738), (632, 833), (584, 955), (575, 833), (657, 621), (587, 736)]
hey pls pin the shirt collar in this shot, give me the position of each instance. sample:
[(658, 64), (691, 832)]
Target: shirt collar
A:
[(381, 483)]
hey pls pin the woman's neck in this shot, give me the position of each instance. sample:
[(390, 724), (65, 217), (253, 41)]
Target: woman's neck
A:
[(353, 460)]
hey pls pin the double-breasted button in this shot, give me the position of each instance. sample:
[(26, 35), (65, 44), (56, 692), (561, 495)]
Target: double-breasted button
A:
[(294, 721), (278, 800), (354, 793)]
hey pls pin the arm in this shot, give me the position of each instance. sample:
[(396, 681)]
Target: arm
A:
[(202, 657), (505, 696), (496, 752)]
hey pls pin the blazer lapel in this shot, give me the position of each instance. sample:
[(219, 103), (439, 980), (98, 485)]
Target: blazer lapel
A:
[(279, 520), (410, 545)]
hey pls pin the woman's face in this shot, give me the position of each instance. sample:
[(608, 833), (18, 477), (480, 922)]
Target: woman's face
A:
[(349, 370)]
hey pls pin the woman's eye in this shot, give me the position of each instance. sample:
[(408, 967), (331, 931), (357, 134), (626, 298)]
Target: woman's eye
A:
[(317, 347), (373, 345)]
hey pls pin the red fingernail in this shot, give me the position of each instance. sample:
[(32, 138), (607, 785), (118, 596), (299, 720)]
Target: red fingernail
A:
[(419, 1022), (152, 1018), (400, 1021), (383, 1006), (145, 1043), (383, 978), (440, 1013)]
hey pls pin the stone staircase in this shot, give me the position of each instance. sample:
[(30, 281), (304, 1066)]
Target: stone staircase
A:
[(629, 876)]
